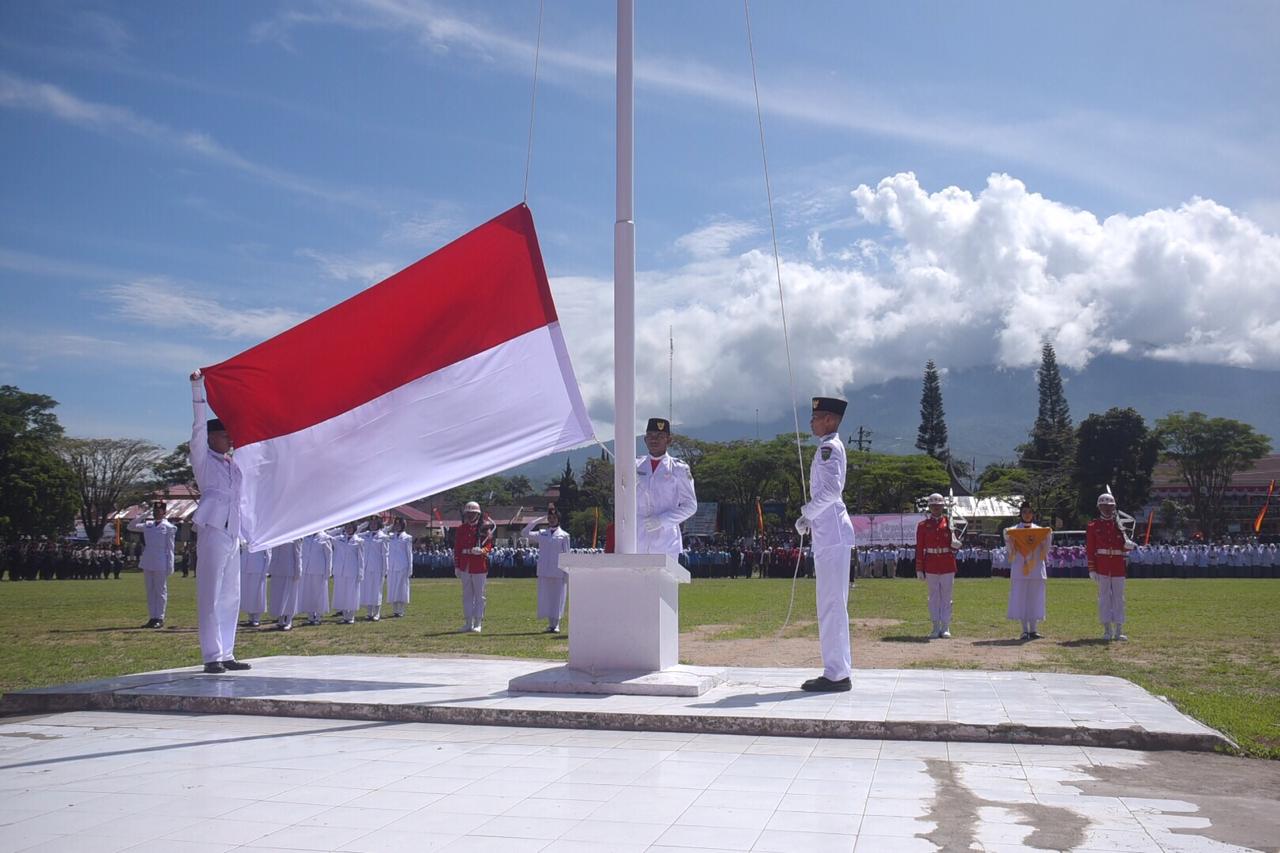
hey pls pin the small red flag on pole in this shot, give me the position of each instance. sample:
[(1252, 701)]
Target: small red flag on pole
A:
[(595, 530), (1262, 514), (1147, 539), (760, 517)]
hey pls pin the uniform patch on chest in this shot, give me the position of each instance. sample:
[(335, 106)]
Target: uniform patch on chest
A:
[(826, 453)]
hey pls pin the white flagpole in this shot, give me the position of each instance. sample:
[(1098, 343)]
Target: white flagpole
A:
[(624, 298)]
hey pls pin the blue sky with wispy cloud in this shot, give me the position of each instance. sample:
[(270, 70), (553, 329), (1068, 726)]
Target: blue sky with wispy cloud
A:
[(955, 181)]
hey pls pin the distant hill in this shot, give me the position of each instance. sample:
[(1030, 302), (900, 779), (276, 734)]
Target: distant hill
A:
[(989, 410)]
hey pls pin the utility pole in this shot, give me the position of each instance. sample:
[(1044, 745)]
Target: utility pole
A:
[(671, 373), (863, 441)]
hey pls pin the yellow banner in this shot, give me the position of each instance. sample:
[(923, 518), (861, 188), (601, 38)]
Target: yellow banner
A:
[(1029, 543)]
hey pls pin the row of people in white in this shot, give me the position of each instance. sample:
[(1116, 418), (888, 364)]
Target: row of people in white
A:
[(300, 572)]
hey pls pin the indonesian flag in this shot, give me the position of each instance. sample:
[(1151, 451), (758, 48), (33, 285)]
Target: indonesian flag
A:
[(452, 369)]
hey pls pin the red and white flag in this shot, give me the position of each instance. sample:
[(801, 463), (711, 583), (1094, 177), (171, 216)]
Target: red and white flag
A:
[(452, 369)]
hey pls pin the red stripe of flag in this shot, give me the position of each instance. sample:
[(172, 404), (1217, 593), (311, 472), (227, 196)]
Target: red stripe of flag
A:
[(1262, 514), (483, 289)]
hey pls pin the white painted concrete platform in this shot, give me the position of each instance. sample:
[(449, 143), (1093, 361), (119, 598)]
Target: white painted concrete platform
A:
[(934, 705), (181, 783)]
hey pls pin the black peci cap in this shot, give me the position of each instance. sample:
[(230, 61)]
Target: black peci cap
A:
[(659, 425), (830, 404), (215, 425)]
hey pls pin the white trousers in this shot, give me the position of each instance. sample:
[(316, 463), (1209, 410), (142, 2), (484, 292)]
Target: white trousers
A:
[(285, 590), (371, 587), (157, 593), (940, 596), (1110, 599), (831, 568), (313, 597), (473, 597), (552, 593), (398, 586), (217, 592), (1026, 598), (346, 592), (273, 594), (253, 593)]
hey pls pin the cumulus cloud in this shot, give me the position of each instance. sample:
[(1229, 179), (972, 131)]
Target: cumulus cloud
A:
[(162, 303), (967, 280)]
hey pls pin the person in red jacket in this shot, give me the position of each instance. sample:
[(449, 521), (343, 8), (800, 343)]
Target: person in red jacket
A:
[(472, 542), (1107, 549), (936, 564)]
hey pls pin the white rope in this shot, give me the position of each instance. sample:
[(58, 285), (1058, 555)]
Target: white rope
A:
[(533, 102), (782, 304)]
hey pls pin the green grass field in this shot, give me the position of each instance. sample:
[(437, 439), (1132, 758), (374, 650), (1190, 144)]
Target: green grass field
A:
[(1210, 646)]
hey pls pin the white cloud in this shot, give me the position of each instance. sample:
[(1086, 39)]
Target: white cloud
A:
[(362, 271), (164, 304), (815, 246), (48, 99), (966, 280), (716, 239), (35, 348)]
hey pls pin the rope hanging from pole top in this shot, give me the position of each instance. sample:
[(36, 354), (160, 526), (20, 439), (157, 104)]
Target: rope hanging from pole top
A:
[(533, 102), (782, 304)]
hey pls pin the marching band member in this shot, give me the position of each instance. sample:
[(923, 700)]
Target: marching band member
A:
[(826, 518), (472, 542), (1027, 577), (664, 494), (552, 542), (1107, 550), (936, 564)]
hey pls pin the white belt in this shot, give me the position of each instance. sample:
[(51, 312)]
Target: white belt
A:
[(1110, 552), (937, 550)]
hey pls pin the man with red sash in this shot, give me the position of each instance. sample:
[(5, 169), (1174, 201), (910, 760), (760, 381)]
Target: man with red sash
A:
[(472, 542), (1106, 549), (936, 564)]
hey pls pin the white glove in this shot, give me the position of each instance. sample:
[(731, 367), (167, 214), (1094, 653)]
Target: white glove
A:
[(1093, 576), (652, 525), (920, 574), (802, 526), (476, 551)]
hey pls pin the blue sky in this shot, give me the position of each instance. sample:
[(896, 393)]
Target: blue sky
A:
[(952, 181)]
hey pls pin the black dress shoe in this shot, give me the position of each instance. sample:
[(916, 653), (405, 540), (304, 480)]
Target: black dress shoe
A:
[(1035, 635), (822, 684), (151, 623), (236, 665), (214, 666), (157, 623)]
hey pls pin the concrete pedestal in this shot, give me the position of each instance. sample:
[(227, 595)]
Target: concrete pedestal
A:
[(624, 630)]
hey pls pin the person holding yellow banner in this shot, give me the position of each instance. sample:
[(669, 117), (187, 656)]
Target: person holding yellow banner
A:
[(1028, 545)]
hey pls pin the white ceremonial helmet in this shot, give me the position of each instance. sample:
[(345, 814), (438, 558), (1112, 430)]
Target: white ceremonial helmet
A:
[(1106, 499), (471, 506), (936, 499)]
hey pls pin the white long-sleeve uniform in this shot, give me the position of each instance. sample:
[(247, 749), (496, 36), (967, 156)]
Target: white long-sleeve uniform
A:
[(158, 541), (348, 573), (317, 566), (217, 523), (833, 541), (286, 579), (399, 570), (374, 546), (1027, 578), (254, 566), (664, 498), (552, 588)]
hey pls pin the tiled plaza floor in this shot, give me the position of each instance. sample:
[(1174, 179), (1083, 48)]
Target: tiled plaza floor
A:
[(950, 705), (174, 783)]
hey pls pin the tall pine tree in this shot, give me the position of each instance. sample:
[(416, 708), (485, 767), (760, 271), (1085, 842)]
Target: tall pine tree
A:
[(1052, 442), (932, 437)]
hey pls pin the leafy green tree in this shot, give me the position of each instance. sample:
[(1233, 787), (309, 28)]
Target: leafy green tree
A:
[(569, 490), (108, 473), (175, 468), (1114, 449), (1208, 453), (932, 436), (597, 484), (1052, 440), (883, 482), (37, 494)]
